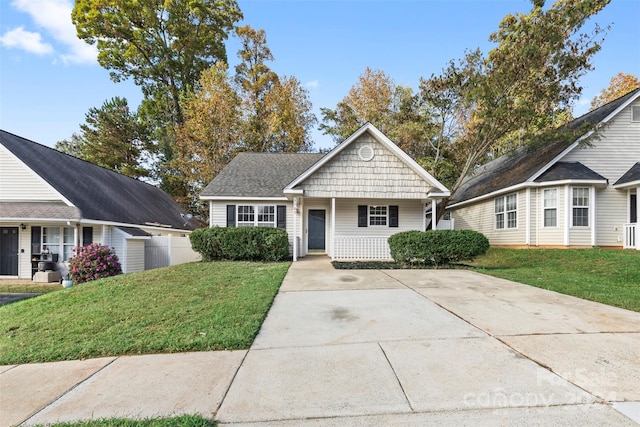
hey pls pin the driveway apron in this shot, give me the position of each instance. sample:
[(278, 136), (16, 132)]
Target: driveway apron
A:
[(442, 347)]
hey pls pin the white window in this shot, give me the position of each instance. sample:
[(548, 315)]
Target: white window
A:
[(246, 216), (580, 207), (550, 207), (506, 211), (58, 241), (377, 215), (256, 216), (266, 216)]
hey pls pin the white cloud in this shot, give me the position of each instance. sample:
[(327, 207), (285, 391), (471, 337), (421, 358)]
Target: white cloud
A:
[(313, 84), (26, 40), (54, 16)]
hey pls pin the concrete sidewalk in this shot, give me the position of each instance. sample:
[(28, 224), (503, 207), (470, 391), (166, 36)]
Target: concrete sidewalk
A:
[(370, 347)]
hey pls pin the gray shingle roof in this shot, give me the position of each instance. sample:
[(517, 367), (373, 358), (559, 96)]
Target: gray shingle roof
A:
[(259, 174), (41, 210), (633, 174), (517, 167), (99, 193), (569, 170)]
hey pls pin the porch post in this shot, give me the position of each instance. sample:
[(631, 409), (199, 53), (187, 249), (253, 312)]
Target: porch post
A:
[(333, 228), (295, 229), (527, 214), (434, 215), (592, 220)]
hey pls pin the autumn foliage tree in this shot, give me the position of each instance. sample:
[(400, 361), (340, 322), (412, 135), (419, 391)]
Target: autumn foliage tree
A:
[(620, 84)]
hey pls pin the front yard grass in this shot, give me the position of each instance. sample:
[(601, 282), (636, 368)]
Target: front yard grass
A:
[(180, 421), (609, 276), (189, 307)]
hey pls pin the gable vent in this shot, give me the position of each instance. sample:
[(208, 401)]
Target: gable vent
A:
[(366, 153), (635, 113)]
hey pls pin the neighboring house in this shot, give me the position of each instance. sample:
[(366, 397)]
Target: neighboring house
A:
[(563, 194), (51, 202), (344, 204)]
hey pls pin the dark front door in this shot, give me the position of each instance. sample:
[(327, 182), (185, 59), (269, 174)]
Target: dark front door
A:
[(316, 229), (634, 208), (8, 251)]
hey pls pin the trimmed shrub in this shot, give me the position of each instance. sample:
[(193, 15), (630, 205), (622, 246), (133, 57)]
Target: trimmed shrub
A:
[(241, 243), (437, 247), (93, 262)]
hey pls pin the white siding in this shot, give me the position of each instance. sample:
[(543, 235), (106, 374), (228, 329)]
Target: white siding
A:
[(115, 240), (348, 176), (410, 217), (19, 182), (134, 256), (218, 213), (481, 217), (548, 236), (617, 149)]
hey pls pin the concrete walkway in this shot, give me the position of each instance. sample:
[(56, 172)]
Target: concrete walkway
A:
[(371, 347)]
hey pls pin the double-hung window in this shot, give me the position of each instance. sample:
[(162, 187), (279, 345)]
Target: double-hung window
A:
[(506, 211), (580, 207), (246, 216), (377, 215), (266, 216), (59, 241), (550, 207)]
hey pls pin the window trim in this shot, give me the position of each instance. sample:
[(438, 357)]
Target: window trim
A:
[(371, 216), (61, 245), (255, 212), (504, 212), (587, 207), (545, 208)]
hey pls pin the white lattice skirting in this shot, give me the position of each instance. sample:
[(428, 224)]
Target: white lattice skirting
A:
[(361, 248)]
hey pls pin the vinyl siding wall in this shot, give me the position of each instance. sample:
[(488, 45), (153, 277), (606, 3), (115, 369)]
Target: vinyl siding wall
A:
[(348, 176), (134, 257), (410, 217), (19, 183), (541, 235), (481, 217)]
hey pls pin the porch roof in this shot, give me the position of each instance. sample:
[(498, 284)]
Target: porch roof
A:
[(38, 210), (569, 171), (631, 178)]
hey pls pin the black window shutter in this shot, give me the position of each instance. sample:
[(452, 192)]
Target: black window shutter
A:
[(393, 216), (87, 236), (35, 240), (282, 216), (231, 215), (362, 215)]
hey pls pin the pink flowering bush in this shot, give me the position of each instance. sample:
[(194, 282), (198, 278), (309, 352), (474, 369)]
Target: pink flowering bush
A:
[(93, 262)]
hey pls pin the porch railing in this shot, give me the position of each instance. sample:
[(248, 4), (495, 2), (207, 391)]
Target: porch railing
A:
[(361, 248), (630, 236)]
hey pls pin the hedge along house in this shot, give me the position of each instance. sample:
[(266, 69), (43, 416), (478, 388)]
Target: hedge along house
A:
[(562, 194), (51, 202), (345, 203)]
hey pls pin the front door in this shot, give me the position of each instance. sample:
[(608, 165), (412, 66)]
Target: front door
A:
[(317, 229), (8, 251), (633, 214)]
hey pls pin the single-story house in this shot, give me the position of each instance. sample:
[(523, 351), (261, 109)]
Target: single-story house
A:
[(562, 194), (345, 203), (51, 202)]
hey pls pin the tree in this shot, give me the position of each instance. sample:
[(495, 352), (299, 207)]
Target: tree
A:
[(163, 45), (525, 84), (112, 137), (210, 134), (276, 111), (620, 84)]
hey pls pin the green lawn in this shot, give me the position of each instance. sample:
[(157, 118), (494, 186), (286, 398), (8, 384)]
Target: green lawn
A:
[(190, 307), (608, 276), (14, 288)]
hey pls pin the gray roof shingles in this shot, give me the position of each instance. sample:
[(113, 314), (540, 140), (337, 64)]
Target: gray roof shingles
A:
[(517, 167), (632, 175), (569, 170), (259, 174), (99, 193)]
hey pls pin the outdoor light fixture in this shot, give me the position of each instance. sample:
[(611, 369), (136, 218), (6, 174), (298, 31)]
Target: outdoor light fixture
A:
[(23, 226)]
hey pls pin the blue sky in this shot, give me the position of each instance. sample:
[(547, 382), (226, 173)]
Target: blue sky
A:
[(49, 79)]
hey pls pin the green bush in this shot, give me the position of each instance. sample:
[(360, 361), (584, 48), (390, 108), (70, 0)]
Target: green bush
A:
[(241, 243), (437, 247)]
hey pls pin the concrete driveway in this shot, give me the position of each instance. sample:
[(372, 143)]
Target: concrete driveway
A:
[(439, 347), (371, 347)]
